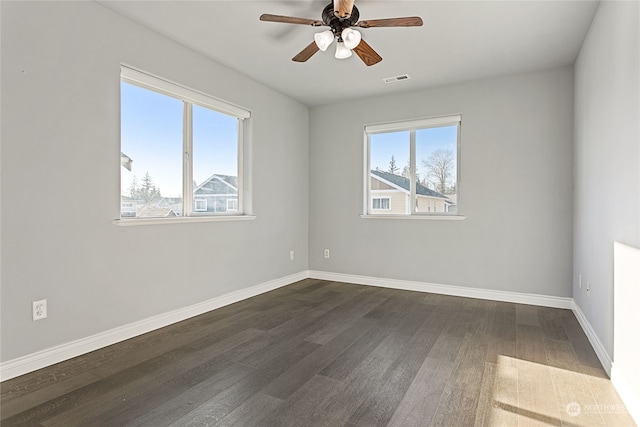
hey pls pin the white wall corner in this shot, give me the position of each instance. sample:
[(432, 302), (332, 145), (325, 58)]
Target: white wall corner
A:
[(47, 357), (601, 352)]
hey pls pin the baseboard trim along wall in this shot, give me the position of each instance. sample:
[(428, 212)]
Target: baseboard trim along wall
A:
[(57, 354), (602, 354), (459, 291), (50, 356)]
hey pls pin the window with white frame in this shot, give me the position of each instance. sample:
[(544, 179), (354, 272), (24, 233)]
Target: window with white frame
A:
[(200, 205), (232, 205), (380, 203), (179, 149), (415, 164)]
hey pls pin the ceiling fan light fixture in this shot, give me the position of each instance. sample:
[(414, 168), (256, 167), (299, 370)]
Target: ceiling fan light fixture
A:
[(342, 52), (351, 38), (323, 39)]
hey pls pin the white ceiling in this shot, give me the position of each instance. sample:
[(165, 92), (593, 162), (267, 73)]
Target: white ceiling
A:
[(460, 41)]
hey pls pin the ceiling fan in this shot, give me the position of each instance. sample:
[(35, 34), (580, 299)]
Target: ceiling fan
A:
[(340, 16)]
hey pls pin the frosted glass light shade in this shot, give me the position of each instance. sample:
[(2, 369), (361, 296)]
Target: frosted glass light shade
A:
[(323, 39), (342, 52), (351, 38)]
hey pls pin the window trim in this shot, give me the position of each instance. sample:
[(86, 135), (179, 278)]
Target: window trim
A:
[(192, 97), (176, 90), (412, 126)]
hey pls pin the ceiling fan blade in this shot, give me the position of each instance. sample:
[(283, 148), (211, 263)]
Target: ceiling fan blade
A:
[(367, 54), (290, 20), (410, 21), (306, 53)]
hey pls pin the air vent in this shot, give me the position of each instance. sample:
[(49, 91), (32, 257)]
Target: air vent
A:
[(396, 78)]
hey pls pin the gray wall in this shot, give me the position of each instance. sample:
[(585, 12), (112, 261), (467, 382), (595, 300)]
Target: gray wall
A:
[(607, 157), (60, 181), (515, 188)]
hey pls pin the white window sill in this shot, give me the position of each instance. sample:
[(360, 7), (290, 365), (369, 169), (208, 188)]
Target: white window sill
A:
[(431, 217), (181, 220)]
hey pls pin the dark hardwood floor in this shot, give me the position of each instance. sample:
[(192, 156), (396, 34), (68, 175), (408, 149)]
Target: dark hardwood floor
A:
[(319, 353)]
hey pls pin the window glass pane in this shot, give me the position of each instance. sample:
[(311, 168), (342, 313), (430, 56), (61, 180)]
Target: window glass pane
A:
[(437, 169), (215, 161), (151, 154), (389, 183)]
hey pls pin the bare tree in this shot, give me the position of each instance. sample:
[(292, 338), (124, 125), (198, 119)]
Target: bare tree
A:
[(406, 172), (439, 168)]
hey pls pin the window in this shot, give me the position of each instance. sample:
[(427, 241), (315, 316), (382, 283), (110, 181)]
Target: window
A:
[(380, 203), (232, 205), (415, 164), (181, 150), (200, 205)]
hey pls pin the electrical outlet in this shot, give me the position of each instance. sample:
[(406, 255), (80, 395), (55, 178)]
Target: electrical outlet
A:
[(326, 253), (291, 255), (39, 309), (580, 281)]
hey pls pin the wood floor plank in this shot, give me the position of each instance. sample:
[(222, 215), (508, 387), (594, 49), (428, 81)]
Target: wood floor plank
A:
[(222, 404), (251, 412), (341, 366), (141, 387), (360, 383), (379, 407), (39, 396), (342, 319), (573, 387), (449, 379), (537, 401), (530, 344), (166, 411), (459, 400), (580, 342), (527, 315), (498, 394), (421, 400), (551, 323), (300, 408), (608, 403), (502, 332), (298, 374)]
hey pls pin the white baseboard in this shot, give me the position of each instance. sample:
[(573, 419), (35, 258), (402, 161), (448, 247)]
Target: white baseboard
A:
[(602, 354), (57, 354), (459, 291)]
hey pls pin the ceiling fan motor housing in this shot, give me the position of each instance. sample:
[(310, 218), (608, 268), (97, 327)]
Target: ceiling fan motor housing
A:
[(337, 24)]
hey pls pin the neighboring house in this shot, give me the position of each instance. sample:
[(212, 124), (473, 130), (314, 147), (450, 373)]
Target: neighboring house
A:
[(157, 208), (390, 194), (218, 193), (128, 207)]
